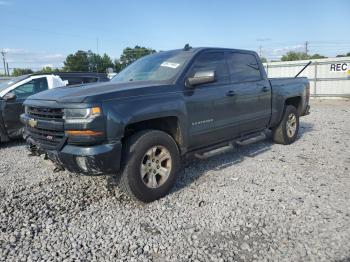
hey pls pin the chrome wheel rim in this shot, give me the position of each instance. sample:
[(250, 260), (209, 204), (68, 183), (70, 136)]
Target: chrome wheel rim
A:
[(156, 166), (291, 125)]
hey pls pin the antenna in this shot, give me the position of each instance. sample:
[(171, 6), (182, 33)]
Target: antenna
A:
[(187, 47)]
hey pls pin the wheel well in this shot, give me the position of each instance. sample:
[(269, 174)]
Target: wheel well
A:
[(168, 125), (294, 101)]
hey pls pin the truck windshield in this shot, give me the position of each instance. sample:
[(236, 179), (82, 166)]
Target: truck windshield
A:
[(157, 67), (12, 81)]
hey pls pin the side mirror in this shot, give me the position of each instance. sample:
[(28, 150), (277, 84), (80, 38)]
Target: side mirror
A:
[(10, 96), (201, 77)]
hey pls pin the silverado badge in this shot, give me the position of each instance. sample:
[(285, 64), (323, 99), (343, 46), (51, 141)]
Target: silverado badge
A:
[(32, 122)]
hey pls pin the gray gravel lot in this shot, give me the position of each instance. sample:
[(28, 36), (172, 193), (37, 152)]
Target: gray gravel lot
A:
[(263, 202)]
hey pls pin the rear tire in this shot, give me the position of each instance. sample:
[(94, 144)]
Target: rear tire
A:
[(150, 166), (287, 130)]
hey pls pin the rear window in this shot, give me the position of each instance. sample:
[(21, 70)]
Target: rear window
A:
[(243, 67)]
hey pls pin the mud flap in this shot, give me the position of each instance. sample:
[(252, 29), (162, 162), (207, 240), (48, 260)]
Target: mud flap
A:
[(3, 134)]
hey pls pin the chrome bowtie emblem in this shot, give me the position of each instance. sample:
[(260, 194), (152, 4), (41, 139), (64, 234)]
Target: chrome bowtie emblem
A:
[(32, 122)]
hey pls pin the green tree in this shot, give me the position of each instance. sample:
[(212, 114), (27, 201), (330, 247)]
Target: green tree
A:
[(48, 70), (263, 60), (21, 71), (106, 62), (78, 62), (99, 63), (87, 61), (117, 66), (342, 55), (130, 55), (293, 56), (317, 56)]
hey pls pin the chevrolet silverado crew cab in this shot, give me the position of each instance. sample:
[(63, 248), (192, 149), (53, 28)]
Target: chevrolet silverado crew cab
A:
[(163, 107)]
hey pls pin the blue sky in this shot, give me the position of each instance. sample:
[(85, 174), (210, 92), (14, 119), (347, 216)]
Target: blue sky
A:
[(39, 33)]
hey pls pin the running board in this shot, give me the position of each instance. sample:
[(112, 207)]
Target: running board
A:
[(254, 139), (230, 146), (214, 152)]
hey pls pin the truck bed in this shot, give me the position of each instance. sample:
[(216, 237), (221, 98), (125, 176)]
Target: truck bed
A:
[(281, 81)]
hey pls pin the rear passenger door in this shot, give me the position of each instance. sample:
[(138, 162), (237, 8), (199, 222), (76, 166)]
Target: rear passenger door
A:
[(252, 92)]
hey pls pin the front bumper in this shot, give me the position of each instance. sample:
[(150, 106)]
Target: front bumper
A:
[(87, 160)]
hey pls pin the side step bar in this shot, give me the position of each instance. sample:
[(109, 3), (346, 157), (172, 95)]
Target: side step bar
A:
[(214, 152), (230, 146), (250, 140)]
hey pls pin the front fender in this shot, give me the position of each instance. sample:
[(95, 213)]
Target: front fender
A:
[(122, 112)]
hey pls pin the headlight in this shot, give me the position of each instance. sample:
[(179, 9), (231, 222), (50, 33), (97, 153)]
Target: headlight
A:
[(81, 113)]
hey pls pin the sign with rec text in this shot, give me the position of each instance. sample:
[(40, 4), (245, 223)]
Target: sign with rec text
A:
[(340, 67)]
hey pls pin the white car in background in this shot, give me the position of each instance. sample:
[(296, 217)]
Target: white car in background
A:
[(12, 95), (15, 91)]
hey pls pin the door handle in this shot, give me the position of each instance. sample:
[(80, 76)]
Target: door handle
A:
[(265, 89), (231, 93)]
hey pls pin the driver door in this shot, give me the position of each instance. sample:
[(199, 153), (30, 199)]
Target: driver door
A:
[(14, 108), (210, 105)]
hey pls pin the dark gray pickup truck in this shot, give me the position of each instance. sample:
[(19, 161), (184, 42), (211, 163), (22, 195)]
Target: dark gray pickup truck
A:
[(161, 108)]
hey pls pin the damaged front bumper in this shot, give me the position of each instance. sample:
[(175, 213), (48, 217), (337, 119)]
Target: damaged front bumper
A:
[(87, 160)]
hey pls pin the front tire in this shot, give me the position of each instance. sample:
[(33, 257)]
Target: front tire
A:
[(151, 165), (287, 130)]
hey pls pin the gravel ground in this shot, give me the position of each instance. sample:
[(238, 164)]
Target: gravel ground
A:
[(263, 202)]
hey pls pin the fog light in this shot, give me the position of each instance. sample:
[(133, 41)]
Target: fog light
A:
[(81, 162)]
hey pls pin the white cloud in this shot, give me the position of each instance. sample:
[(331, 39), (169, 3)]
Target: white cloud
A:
[(23, 58)]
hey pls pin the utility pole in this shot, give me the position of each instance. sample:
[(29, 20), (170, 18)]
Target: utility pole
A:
[(97, 45), (4, 60), (306, 47), (8, 71), (260, 51), (96, 54)]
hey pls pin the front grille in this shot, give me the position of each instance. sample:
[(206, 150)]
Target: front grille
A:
[(46, 134), (48, 138), (45, 113)]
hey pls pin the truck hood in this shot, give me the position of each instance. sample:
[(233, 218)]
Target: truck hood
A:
[(96, 92)]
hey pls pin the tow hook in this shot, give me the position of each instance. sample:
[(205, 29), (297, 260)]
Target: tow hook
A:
[(33, 150)]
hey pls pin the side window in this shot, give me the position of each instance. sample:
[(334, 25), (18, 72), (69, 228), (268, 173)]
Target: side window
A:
[(73, 80), (32, 87), (243, 67), (89, 80), (212, 61)]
